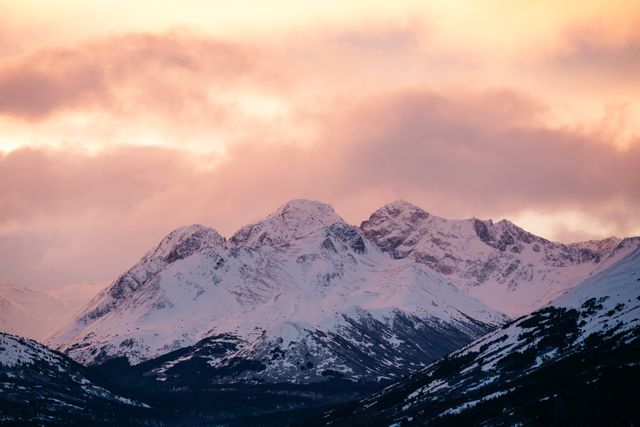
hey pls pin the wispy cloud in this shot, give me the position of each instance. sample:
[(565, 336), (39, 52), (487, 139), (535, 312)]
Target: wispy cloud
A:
[(140, 73)]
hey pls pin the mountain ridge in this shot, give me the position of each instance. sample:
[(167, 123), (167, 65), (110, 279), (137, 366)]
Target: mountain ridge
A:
[(292, 293), (504, 266), (295, 291)]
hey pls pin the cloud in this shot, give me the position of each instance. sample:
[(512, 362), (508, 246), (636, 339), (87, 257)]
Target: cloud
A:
[(153, 73), (35, 92), (491, 149), (45, 184), (71, 216), (590, 54)]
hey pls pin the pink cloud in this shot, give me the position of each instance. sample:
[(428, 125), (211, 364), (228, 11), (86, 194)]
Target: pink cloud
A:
[(68, 216), (591, 52), (152, 73)]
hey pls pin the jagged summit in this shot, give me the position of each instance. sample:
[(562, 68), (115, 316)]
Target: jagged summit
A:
[(393, 224), (401, 205), (605, 245), (185, 241), (400, 209), (179, 244), (504, 235), (293, 220), (503, 265), (300, 209), (306, 205)]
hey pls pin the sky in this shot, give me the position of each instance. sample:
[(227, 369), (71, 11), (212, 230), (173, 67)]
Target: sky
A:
[(120, 121)]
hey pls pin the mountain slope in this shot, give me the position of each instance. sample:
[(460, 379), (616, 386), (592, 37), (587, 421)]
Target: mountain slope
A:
[(43, 387), (576, 361), (504, 266), (300, 296)]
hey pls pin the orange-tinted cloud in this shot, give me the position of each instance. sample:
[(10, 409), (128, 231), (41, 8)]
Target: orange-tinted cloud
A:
[(41, 183), (589, 55), (69, 217), (490, 149), (186, 89), (137, 72)]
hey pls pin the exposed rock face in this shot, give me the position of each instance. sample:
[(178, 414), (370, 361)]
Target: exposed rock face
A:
[(499, 263)]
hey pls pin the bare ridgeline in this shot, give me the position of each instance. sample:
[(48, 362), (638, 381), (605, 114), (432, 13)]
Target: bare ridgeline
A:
[(304, 319)]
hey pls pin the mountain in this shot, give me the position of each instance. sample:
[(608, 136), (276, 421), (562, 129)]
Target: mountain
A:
[(35, 314), (27, 312), (42, 387), (573, 362), (502, 265), (300, 296)]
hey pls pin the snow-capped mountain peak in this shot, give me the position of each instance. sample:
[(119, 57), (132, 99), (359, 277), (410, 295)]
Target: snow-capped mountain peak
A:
[(504, 235), (400, 206), (179, 244), (394, 224), (607, 245), (185, 241), (401, 211), (293, 220)]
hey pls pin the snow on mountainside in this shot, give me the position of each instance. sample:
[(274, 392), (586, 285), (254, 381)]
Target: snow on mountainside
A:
[(41, 387), (502, 265), (299, 296), (292, 221), (177, 245), (574, 362)]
